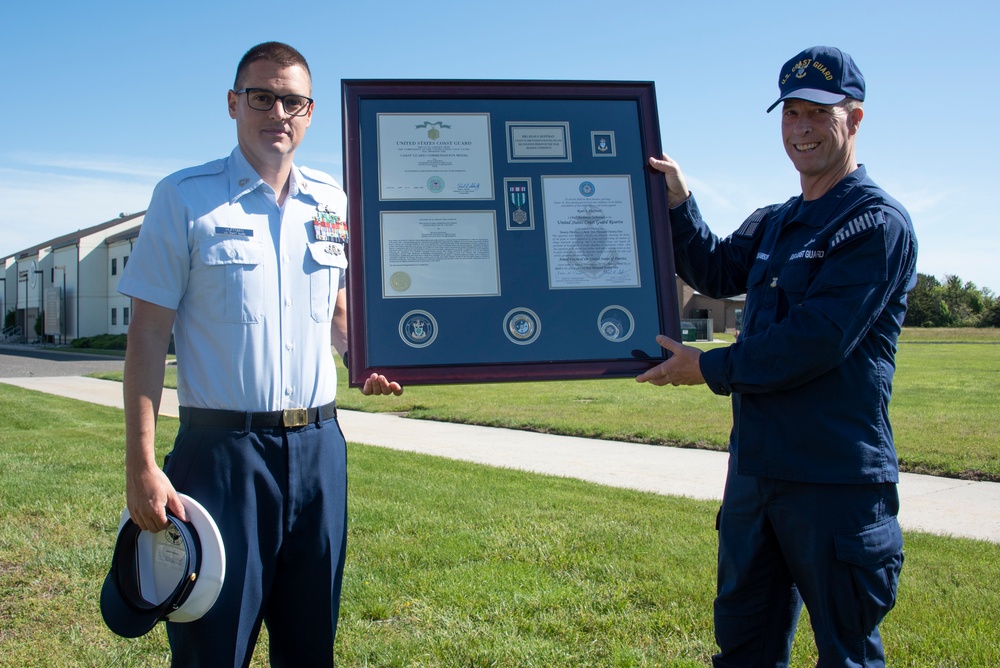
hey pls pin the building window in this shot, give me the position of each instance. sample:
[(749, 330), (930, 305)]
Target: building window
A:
[(739, 318), (124, 262), (125, 316), (114, 266), (114, 316)]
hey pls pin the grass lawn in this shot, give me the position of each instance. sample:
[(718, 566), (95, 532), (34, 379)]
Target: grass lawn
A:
[(946, 391), (944, 406), (450, 563)]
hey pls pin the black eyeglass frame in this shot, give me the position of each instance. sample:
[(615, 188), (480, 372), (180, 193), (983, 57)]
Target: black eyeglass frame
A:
[(302, 112)]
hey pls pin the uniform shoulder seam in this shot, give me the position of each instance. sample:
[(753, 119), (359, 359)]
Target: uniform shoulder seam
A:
[(318, 176), (208, 169)]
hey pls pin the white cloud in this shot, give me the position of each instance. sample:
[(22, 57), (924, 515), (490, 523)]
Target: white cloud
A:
[(39, 206), (127, 166)]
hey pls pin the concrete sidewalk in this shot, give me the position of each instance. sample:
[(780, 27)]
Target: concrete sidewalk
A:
[(937, 505)]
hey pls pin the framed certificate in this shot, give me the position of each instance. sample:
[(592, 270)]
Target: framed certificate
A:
[(505, 230)]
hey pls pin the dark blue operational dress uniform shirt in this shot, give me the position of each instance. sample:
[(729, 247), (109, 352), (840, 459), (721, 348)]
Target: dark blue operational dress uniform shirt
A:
[(811, 372)]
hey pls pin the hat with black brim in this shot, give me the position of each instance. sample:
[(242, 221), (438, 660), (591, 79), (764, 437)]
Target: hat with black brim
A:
[(175, 574)]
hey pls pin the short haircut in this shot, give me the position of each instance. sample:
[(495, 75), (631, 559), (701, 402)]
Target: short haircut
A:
[(275, 52), (850, 104)]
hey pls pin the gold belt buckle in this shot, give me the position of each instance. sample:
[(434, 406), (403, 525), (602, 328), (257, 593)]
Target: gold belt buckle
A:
[(295, 417)]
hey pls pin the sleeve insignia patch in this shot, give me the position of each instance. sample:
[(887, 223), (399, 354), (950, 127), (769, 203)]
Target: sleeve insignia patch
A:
[(750, 225), (855, 226)]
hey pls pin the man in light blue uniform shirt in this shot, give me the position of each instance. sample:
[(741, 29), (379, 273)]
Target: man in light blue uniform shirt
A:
[(244, 260), (809, 513)]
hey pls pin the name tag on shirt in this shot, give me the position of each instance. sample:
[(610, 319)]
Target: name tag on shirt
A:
[(233, 232)]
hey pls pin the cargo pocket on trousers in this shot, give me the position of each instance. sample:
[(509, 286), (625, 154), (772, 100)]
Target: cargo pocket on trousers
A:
[(872, 558)]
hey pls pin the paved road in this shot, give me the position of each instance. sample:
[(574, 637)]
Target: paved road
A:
[(27, 361)]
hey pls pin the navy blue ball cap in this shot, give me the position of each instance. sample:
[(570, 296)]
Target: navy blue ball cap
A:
[(821, 74)]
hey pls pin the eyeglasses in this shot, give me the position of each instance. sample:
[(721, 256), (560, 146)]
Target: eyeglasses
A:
[(262, 99)]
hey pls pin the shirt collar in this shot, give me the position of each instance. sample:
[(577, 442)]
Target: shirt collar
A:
[(822, 209), (301, 187), (296, 184), (243, 178)]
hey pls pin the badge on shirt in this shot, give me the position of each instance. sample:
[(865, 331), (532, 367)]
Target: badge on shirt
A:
[(233, 231), (328, 226)]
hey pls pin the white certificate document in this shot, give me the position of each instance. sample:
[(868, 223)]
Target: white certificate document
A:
[(590, 232), (435, 157), (439, 254)]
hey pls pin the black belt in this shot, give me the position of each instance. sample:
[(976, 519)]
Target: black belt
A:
[(223, 419)]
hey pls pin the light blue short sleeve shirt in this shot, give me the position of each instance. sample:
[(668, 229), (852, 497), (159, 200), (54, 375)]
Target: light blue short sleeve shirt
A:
[(254, 284)]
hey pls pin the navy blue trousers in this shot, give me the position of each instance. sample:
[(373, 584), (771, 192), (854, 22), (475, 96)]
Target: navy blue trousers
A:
[(837, 548), (279, 497)]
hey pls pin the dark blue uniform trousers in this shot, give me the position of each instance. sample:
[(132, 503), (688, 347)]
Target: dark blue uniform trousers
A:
[(279, 497), (837, 548)]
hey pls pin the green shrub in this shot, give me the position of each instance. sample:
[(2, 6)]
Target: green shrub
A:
[(101, 342), (110, 342)]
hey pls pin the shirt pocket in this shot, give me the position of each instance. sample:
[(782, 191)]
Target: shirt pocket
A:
[(325, 263), (236, 273), (792, 284), (756, 275), (760, 300)]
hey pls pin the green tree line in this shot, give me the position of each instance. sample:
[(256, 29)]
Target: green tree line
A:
[(951, 304)]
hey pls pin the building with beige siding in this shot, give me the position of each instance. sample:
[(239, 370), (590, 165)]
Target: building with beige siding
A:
[(66, 288), (70, 285)]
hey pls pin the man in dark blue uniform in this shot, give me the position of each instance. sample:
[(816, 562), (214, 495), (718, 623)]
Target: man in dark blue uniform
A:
[(810, 504)]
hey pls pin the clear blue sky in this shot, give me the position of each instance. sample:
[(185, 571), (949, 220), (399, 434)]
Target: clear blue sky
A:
[(105, 98)]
